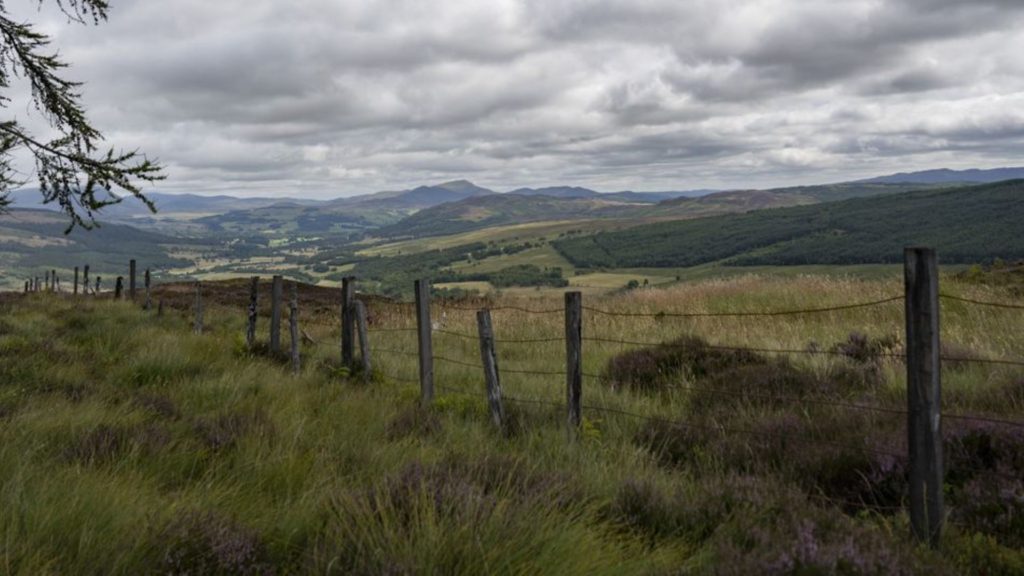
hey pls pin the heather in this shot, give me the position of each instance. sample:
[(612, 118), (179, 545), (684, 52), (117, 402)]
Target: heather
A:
[(128, 444)]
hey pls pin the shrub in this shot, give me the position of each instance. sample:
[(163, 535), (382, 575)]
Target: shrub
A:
[(226, 429), (204, 542)]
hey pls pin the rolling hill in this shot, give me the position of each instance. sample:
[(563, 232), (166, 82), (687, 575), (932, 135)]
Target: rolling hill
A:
[(947, 176), (965, 224), (34, 240)]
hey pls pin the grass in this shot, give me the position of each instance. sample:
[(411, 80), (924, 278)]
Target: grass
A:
[(130, 445)]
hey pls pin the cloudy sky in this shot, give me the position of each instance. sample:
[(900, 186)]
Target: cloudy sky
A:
[(322, 98)]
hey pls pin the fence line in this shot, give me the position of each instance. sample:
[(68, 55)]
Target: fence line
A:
[(741, 314), (923, 359), (981, 303)]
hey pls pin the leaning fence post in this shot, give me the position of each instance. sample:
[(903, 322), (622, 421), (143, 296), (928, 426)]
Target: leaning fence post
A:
[(573, 358), (426, 348), (364, 341), (131, 280), (75, 290), (198, 325), (293, 328), (347, 324), (490, 363), (250, 332), (924, 393), (149, 300), (275, 314), (118, 287)]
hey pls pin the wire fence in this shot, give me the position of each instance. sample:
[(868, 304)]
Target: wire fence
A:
[(775, 398)]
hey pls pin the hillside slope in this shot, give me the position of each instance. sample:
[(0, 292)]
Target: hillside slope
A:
[(965, 224)]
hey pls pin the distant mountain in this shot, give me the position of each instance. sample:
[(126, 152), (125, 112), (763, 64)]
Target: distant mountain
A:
[(964, 224), (558, 192), (945, 175), (167, 204), (417, 198), (501, 209), (626, 196)]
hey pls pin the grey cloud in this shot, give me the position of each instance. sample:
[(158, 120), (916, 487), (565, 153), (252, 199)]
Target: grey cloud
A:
[(338, 97)]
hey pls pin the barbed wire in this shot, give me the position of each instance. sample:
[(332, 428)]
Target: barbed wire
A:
[(734, 348), (985, 419), (473, 337), (742, 314), (458, 362), (980, 302), (375, 351), (372, 330), (503, 309)]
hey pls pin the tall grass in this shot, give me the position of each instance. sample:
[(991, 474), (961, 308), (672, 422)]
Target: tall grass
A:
[(130, 445)]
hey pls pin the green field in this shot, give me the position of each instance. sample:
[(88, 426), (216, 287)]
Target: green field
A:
[(130, 445)]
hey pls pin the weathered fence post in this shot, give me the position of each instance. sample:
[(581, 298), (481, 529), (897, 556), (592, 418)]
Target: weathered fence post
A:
[(198, 324), (426, 348), (85, 279), (275, 314), (26, 286), (573, 358), (75, 290), (149, 299), (293, 328), (46, 285), (347, 323), (250, 332), (160, 307), (490, 362), (359, 310), (924, 393), (53, 281), (118, 287), (131, 280), (97, 289)]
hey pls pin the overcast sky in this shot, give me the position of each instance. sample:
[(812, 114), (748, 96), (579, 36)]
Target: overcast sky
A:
[(321, 98)]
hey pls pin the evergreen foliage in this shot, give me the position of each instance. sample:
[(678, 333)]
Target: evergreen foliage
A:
[(71, 168)]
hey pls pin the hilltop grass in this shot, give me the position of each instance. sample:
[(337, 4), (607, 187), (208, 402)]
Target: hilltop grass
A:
[(130, 445)]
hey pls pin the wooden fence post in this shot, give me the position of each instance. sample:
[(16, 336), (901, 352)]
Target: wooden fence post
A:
[(426, 348), (118, 288), (293, 328), (131, 280), (198, 325), (149, 300), (26, 286), (348, 285), (275, 314), (46, 280), (53, 281), (573, 359), (160, 307), (364, 340), (75, 290), (490, 362), (99, 279), (924, 393), (254, 295), (85, 279)]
